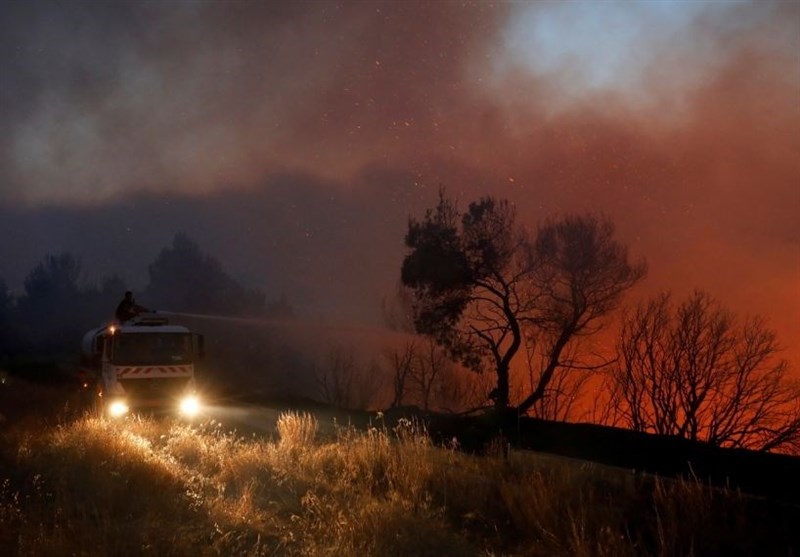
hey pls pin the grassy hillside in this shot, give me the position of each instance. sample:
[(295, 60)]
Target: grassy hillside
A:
[(76, 485)]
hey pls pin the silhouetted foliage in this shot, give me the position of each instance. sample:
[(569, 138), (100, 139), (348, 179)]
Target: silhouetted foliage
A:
[(465, 272), (480, 284), (694, 370), (51, 313), (55, 278), (579, 275), (182, 278), (56, 308)]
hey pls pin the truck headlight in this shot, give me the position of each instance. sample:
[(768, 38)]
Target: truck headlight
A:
[(190, 405), (117, 408)]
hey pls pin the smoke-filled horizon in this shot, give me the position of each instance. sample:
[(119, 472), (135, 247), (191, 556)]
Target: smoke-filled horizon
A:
[(293, 140)]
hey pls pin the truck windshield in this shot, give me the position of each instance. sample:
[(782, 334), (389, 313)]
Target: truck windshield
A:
[(152, 349)]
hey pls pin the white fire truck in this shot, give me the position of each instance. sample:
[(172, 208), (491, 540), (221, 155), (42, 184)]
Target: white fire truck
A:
[(143, 363)]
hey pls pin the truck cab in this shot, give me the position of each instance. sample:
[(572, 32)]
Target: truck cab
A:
[(144, 363)]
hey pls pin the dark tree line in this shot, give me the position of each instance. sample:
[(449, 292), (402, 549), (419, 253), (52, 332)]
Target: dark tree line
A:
[(184, 279), (58, 304)]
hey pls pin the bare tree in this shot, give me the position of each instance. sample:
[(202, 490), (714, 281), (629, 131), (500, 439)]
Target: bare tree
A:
[(422, 374), (562, 397), (343, 382), (428, 363), (401, 362), (694, 370)]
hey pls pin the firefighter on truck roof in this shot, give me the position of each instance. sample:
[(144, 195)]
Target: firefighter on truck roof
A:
[(128, 308)]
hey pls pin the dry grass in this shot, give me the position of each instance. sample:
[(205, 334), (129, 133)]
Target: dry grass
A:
[(149, 487)]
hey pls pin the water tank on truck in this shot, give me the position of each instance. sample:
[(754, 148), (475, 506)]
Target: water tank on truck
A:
[(142, 363)]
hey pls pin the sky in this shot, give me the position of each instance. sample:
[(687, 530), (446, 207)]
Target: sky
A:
[(293, 140)]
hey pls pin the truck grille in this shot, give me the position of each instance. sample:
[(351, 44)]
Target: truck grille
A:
[(143, 392)]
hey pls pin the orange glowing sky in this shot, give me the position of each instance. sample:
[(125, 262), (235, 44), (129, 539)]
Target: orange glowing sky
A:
[(293, 140)]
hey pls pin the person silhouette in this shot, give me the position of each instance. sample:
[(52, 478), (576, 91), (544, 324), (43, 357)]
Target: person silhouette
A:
[(128, 308)]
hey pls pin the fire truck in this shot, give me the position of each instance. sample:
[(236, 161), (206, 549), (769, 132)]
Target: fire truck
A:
[(144, 363)]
